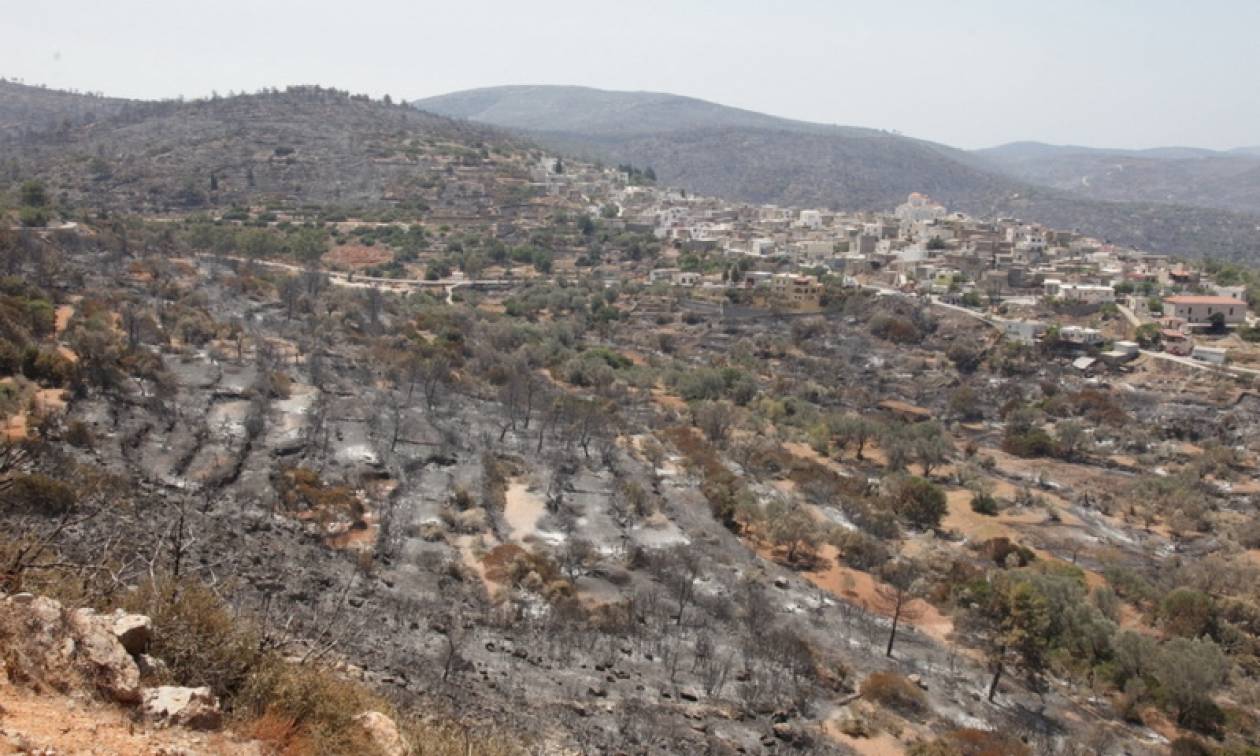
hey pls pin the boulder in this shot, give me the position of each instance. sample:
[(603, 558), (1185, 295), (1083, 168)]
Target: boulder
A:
[(151, 666), (133, 631), (194, 708), (383, 732), (472, 521), (44, 649), (790, 734), (44, 610), (115, 671), (432, 531)]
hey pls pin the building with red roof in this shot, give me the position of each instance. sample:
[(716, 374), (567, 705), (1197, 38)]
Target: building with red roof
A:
[(1199, 309)]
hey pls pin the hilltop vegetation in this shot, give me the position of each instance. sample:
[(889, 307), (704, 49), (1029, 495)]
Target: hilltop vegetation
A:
[(307, 144)]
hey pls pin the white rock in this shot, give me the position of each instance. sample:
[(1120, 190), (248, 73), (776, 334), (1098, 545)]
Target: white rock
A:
[(133, 631), (116, 672), (194, 708), (384, 733)]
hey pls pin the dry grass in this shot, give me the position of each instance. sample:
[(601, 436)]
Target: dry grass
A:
[(971, 742), (293, 708), (305, 709), (895, 692)]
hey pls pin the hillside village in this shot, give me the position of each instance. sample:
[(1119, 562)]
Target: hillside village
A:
[(1024, 278), (401, 435)]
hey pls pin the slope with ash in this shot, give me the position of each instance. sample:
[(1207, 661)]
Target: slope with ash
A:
[(26, 109), (308, 143)]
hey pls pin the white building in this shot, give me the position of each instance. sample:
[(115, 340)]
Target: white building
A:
[(1199, 310), (811, 219), (1213, 355), (919, 207), (1081, 336), (1024, 331), (813, 250), (762, 247), (1076, 292)]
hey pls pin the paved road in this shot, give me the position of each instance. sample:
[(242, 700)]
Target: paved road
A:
[(1191, 362), (1129, 315), (67, 226), (351, 280)]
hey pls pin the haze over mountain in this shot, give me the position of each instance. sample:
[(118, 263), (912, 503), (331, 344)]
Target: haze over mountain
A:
[(1228, 180), (713, 149), (28, 109)]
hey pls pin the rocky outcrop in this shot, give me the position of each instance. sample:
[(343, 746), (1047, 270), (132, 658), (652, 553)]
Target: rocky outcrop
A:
[(133, 631), (383, 732), (194, 708), (54, 655), (114, 670), (57, 647)]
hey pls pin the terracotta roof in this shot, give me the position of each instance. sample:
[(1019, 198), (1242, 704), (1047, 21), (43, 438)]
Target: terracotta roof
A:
[(1189, 299)]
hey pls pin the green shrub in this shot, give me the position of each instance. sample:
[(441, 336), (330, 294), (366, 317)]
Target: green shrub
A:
[(1187, 613), (861, 551), (985, 504), (33, 217), (1032, 443), (918, 501)]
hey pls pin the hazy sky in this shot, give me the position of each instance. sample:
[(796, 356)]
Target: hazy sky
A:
[(972, 73)]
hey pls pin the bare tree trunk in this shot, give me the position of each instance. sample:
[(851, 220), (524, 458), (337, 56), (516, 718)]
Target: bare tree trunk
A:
[(892, 636), (997, 676)]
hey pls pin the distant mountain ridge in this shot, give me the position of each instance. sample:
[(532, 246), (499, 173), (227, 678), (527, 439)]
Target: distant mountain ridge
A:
[(743, 155), (1228, 179), (715, 149), (1029, 150), (135, 153), (583, 110)]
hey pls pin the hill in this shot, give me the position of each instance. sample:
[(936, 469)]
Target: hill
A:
[(1188, 176), (26, 109), (712, 149), (305, 145), (724, 151), (278, 459)]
